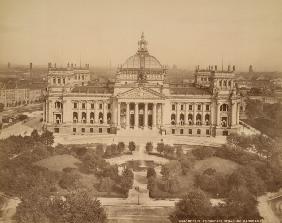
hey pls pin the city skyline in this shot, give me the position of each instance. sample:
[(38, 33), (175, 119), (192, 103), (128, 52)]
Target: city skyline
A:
[(184, 33)]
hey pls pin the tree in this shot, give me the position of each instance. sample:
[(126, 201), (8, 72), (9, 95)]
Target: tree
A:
[(151, 172), (106, 184), (149, 147), (121, 146), (100, 150), (126, 179), (34, 135), (1, 107), (194, 205), (47, 138), (131, 146), (108, 152), (179, 152), (160, 147), (171, 170)]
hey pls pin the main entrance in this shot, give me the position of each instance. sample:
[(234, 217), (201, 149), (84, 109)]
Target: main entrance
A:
[(140, 115)]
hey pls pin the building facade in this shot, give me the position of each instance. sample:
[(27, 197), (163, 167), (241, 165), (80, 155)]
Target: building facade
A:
[(141, 98)]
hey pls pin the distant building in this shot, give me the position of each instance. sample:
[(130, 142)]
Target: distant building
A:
[(141, 98)]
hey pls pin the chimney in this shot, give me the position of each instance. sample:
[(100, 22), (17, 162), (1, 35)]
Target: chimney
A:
[(233, 67), (30, 66), (228, 68), (215, 67)]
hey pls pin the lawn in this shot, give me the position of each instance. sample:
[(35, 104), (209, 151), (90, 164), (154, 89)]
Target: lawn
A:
[(222, 166), (59, 162)]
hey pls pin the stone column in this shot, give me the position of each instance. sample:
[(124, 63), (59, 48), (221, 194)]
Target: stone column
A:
[(194, 113), (136, 115), (146, 115), (238, 112), (203, 115), (186, 114), (233, 114), (96, 112), (127, 115), (154, 115), (104, 113), (218, 114), (176, 114), (118, 114), (162, 118)]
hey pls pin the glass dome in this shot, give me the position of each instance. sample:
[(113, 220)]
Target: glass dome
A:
[(135, 62)]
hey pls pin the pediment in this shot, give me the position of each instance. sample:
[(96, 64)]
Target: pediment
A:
[(140, 93)]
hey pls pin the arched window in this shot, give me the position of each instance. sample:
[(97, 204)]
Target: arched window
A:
[(182, 119), (207, 119), (74, 117), (220, 83), (92, 116), (109, 117), (229, 83), (58, 104), (198, 119), (172, 118), (190, 119), (224, 107), (225, 83), (83, 117), (101, 120)]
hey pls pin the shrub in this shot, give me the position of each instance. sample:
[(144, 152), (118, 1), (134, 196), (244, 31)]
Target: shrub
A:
[(203, 153)]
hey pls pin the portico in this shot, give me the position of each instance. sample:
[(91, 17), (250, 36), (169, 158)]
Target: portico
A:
[(148, 114)]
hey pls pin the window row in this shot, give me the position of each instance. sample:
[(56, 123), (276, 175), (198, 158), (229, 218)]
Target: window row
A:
[(59, 80), (92, 105), (190, 131), (91, 130), (190, 120), (190, 107), (225, 83), (92, 117)]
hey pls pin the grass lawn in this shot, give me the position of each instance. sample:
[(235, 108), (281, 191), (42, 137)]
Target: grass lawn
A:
[(87, 181), (222, 166), (59, 162)]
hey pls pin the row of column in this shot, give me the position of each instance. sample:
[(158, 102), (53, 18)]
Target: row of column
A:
[(136, 114)]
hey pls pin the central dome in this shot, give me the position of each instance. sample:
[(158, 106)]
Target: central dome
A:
[(135, 61), (142, 59)]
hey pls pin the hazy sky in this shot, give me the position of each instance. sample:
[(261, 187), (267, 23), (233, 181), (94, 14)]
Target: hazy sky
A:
[(185, 33)]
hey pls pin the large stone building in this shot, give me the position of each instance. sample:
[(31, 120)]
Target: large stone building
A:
[(141, 98)]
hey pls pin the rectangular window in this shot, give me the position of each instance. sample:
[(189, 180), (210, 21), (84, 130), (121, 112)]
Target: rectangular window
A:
[(75, 105), (108, 130), (181, 131), (207, 107), (100, 106), (91, 130), (109, 106), (190, 107), (74, 130), (82, 129), (173, 107), (207, 132), (199, 107), (181, 107), (56, 130), (100, 130), (59, 80), (91, 121), (173, 131), (64, 80), (190, 131), (198, 131), (83, 105), (92, 105), (54, 81)]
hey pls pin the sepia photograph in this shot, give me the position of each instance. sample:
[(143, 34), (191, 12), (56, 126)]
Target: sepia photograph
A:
[(140, 111)]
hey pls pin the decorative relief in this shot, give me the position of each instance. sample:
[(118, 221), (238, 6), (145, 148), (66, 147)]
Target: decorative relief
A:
[(140, 93)]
